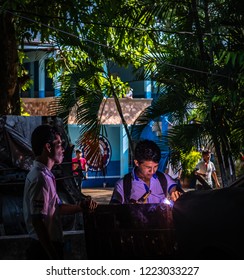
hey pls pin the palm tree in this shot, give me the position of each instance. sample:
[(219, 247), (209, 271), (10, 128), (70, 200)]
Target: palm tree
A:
[(86, 90), (200, 86)]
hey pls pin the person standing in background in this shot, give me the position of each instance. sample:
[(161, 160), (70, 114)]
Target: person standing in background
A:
[(205, 170), (80, 168)]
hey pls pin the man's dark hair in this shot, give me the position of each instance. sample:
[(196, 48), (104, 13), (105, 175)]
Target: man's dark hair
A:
[(41, 135), (205, 152), (147, 150)]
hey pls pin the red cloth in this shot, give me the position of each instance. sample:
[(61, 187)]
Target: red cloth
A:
[(78, 162)]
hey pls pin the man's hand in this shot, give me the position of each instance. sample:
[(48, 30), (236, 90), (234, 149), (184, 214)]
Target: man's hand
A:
[(92, 205), (88, 203), (217, 185), (174, 194)]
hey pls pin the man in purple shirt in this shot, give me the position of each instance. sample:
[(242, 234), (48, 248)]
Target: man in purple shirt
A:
[(145, 183)]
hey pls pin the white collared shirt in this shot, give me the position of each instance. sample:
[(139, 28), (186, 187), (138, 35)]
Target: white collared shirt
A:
[(41, 198)]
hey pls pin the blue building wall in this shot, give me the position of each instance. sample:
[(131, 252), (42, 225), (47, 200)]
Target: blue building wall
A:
[(118, 164), (148, 133)]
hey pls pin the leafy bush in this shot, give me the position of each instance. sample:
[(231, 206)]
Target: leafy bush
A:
[(189, 161)]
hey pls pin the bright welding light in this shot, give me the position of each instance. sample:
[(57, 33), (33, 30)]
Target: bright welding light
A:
[(168, 202)]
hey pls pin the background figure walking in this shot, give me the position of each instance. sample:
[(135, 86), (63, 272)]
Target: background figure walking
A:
[(80, 168), (205, 170)]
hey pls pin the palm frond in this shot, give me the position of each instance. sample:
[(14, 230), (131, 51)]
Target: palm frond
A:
[(184, 137), (176, 104)]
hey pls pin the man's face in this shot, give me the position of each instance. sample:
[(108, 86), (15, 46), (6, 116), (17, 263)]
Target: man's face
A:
[(78, 155), (58, 150), (146, 169), (206, 157)]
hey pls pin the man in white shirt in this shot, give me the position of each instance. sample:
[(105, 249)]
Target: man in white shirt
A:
[(206, 170), (42, 206)]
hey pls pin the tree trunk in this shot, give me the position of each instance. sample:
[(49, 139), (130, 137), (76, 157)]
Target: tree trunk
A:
[(229, 164), (9, 89), (119, 109)]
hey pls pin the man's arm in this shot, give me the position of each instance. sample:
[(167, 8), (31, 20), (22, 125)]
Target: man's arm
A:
[(69, 209), (215, 177), (86, 167), (172, 188), (198, 173), (87, 204), (86, 170)]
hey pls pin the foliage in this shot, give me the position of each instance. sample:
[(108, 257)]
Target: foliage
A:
[(189, 161), (199, 73), (23, 112)]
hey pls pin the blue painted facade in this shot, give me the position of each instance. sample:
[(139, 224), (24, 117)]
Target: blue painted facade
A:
[(148, 133), (118, 164)]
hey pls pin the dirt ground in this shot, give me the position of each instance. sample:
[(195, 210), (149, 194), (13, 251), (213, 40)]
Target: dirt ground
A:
[(101, 195)]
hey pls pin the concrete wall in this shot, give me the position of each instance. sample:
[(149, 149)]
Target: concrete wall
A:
[(131, 109)]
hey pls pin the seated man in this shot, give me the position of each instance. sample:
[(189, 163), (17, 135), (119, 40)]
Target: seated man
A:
[(145, 184)]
